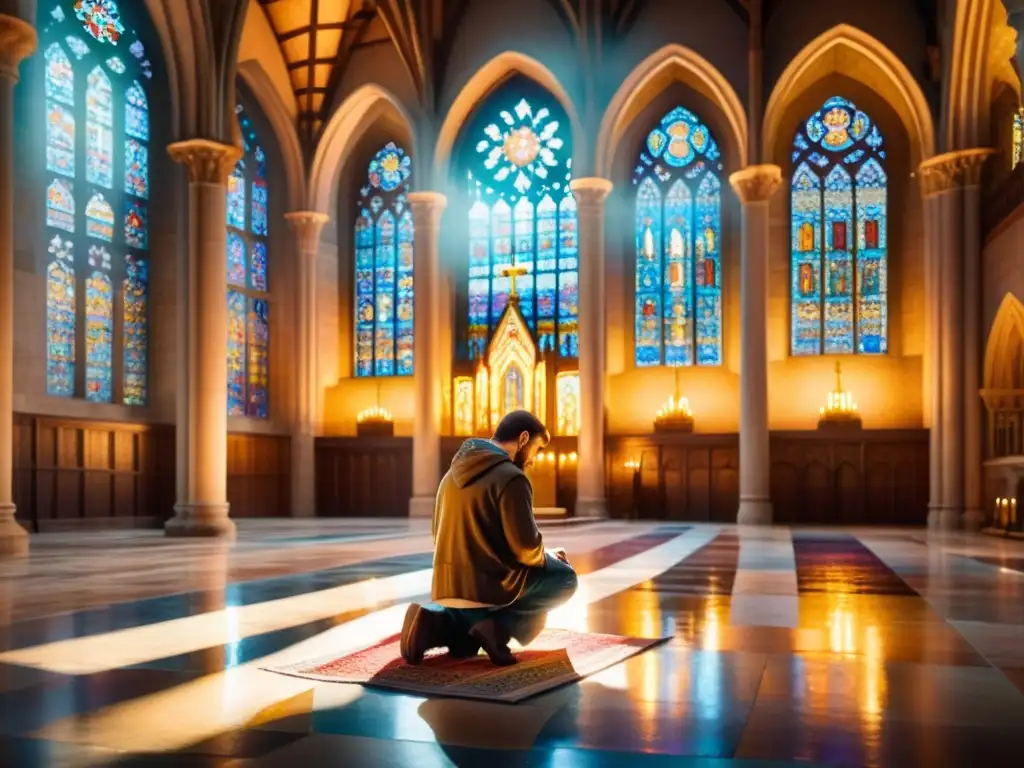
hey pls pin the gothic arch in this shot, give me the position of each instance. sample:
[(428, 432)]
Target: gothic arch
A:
[(348, 123), (483, 82), (851, 52), (1004, 344), (671, 63), (283, 125)]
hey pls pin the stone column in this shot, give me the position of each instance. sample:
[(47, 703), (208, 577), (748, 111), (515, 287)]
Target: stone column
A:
[(427, 208), (17, 41), (202, 507), (972, 161), (754, 185), (591, 494), (931, 185), (307, 226)]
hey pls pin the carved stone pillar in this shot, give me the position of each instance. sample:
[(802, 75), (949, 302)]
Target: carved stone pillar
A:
[(17, 41), (972, 161), (202, 507), (754, 185), (951, 184), (591, 494), (427, 208), (307, 226)]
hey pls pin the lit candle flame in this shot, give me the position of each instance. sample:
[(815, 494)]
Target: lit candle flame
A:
[(375, 414)]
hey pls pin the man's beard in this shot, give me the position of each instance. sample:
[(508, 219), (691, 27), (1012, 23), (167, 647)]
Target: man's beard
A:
[(520, 458)]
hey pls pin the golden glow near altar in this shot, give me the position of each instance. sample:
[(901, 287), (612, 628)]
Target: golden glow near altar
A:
[(674, 415), (1006, 512), (841, 408), (374, 415)]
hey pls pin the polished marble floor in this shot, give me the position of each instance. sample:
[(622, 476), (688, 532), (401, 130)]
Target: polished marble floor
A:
[(806, 647)]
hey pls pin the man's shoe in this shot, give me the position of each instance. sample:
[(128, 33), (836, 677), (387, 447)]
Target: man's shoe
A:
[(465, 647), (494, 640), (422, 630)]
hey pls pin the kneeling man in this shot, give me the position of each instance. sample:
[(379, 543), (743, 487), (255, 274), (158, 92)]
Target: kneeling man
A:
[(493, 579)]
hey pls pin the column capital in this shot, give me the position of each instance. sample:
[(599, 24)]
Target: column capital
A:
[(950, 170), (307, 226), (590, 191), (427, 207), (208, 162), (756, 183), (18, 40)]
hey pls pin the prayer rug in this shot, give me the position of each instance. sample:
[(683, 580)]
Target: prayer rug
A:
[(554, 659)]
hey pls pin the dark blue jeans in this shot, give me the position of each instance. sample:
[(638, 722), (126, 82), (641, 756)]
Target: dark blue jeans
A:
[(546, 588)]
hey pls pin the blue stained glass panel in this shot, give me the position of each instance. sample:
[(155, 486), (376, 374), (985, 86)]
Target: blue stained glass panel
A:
[(258, 401), (60, 206), (60, 140), (677, 311), (259, 207), (236, 353), (60, 319), (136, 225), (364, 294), (647, 292), (805, 247), (838, 251), (136, 330), (384, 299), (136, 169), (406, 295), (99, 338), (236, 197), (519, 170), (99, 218), (136, 122), (236, 259), (60, 77), (708, 266), (99, 139), (258, 268)]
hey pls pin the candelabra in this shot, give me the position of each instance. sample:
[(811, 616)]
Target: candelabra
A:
[(375, 422), (841, 410), (675, 415)]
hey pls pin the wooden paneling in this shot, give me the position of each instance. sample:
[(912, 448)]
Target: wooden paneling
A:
[(259, 475), (68, 471), (363, 476), (872, 477)]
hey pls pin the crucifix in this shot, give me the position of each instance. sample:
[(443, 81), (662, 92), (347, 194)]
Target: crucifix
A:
[(513, 271)]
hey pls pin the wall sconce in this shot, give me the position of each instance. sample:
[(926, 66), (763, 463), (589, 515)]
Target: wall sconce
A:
[(1006, 513)]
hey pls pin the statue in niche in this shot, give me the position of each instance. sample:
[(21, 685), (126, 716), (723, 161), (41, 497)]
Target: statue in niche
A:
[(839, 235), (513, 390), (805, 238), (806, 280)]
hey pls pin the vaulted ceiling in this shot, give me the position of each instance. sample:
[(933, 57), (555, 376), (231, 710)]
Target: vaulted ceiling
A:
[(317, 38)]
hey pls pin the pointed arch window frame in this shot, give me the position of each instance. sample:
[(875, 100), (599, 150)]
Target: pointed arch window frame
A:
[(678, 242), (839, 244), (522, 209), (97, 203), (384, 276)]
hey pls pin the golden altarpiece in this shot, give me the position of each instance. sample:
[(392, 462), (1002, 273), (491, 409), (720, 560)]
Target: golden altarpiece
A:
[(513, 374)]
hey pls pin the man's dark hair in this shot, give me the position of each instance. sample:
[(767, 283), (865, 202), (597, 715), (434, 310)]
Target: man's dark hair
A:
[(517, 422)]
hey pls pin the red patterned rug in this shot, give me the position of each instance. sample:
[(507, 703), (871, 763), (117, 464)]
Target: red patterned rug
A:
[(555, 658)]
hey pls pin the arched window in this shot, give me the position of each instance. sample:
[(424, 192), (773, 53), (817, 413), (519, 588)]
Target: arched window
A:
[(520, 164), (248, 306), (678, 307), (384, 279), (839, 211), (96, 75)]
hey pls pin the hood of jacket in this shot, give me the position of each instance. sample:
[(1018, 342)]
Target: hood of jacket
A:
[(475, 459)]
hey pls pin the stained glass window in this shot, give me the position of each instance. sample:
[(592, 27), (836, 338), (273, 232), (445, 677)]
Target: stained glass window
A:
[(1018, 137), (97, 133), (519, 164), (248, 303), (384, 267), (678, 225), (838, 203)]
